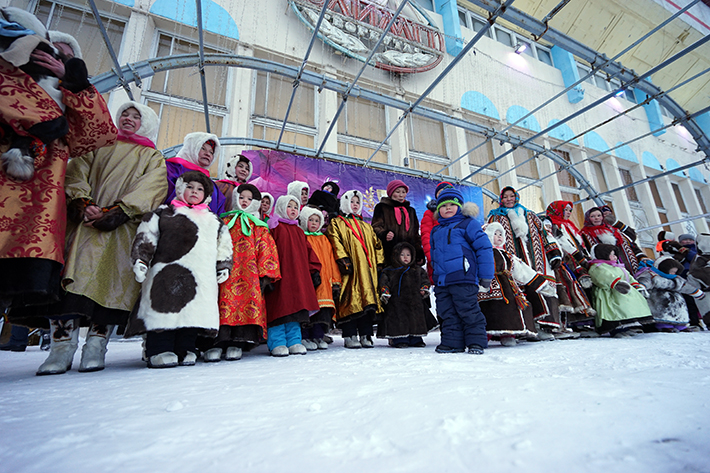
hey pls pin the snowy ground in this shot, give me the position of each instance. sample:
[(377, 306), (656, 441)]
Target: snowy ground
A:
[(603, 405)]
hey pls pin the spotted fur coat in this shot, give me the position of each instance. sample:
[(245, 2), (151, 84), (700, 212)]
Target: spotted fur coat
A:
[(183, 248)]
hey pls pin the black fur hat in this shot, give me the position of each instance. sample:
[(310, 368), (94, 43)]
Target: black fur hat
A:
[(255, 193), (602, 251), (196, 176), (336, 188), (665, 263)]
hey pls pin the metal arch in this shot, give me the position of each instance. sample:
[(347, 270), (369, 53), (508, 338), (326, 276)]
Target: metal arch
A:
[(614, 69), (141, 70)]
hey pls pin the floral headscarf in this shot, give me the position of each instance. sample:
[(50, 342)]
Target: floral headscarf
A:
[(556, 212)]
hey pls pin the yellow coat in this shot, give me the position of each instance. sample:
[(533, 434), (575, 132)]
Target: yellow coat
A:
[(98, 264), (359, 289)]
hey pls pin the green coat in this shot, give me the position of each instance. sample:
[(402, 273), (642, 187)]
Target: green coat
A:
[(98, 264), (611, 305)]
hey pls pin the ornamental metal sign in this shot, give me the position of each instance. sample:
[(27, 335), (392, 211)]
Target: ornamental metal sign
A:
[(353, 27)]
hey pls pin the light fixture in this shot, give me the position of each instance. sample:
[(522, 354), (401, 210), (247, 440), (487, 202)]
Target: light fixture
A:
[(520, 48), (619, 93)]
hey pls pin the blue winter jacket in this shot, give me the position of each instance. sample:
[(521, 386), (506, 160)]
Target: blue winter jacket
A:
[(461, 252)]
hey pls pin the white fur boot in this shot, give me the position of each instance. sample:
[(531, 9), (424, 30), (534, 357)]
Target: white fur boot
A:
[(17, 166), (94, 351), (65, 339)]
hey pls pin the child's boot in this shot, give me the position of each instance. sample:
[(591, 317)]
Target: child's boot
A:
[(94, 352), (297, 349), (65, 340), (166, 359), (352, 342), (189, 360), (366, 341), (212, 355), (233, 354), (281, 350), (321, 344)]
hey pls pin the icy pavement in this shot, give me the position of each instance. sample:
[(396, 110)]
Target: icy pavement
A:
[(602, 405)]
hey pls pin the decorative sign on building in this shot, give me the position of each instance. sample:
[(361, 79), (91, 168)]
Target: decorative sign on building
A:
[(353, 27)]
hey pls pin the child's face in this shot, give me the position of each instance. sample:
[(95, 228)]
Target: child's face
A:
[(498, 238), (242, 171), (673, 271), (448, 210), (245, 198), (399, 194), (355, 204), (405, 256), (613, 258), (130, 120), (206, 155), (313, 223), (194, 193), (304, 196), (265, 204), (292, 210), (328, 188)]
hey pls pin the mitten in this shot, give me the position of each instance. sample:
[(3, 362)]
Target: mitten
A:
[(111, 219), (555, 262), (585, 281), (140, 269), (425, 292), (222, 275), (622, 287), (76, 209), (76, 76), (345, 265), (336, 292), (547, 289), (484, 285), (315, 278), (643, 291), (385, 298)]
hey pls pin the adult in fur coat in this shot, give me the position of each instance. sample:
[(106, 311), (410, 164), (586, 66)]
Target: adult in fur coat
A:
[(33, 221), (666, 288), (108, 190), (395, 221), (198, 152), (237, 170), (596, 230), (618, 297), (358, 252), (242, 307), (508, 313), (293, 299), (403, 287), (699, 275), (181, 252), (527, 239)]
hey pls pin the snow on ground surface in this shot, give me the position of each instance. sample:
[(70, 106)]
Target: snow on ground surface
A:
[(602, 405)]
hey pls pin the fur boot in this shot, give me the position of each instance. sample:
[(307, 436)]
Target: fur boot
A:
[(65, 340), (94, 351), (233, 354)]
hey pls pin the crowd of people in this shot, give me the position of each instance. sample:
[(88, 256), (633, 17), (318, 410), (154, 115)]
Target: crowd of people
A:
[(103, 232)]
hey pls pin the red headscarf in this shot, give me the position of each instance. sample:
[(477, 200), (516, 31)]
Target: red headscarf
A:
[(594, 230), (556, 212)]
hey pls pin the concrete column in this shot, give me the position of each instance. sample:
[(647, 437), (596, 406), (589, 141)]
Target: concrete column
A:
[(586, 170), (564, 61), (400, 138), (621, 203), (328, 101), (550, 186), (653, 111), (452, 28), (508, 162), (692, 204), (457, 147), (672, 208)]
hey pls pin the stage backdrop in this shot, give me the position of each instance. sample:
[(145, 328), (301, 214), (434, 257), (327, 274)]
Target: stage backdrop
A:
[(273, 170)]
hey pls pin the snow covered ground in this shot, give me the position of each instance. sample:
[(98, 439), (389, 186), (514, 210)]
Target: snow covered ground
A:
[(602, 405)]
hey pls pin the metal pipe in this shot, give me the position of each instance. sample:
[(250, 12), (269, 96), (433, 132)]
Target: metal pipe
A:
[(452, 64), (201, 66), (297, 80), (117, 67), (588, 75), (681, 220), (357, 77)]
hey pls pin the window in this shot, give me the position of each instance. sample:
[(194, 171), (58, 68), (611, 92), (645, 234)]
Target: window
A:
[(526, 166), (701, 201), (361, 128), (563, 175), (483, 154), (656, 195), (177, 99), (627, 179), (80, 23), (427, 136), (630, 95), (577, 210), (599, 174), (679, 197)]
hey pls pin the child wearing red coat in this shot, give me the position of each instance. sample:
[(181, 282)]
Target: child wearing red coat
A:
[(293, 299), (427, 225)]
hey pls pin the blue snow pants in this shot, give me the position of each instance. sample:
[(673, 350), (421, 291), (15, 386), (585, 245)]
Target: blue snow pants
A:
[(463, 324)]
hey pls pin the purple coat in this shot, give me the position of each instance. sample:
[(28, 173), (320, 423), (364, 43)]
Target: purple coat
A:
[(176, 170)]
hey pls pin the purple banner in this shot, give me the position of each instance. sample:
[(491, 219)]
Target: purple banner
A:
[(274, 170)]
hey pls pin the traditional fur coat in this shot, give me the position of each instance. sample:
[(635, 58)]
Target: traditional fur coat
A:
[(185, 248), (354, 239), (401, 219)]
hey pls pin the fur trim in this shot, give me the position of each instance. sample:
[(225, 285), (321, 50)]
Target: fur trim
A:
[(193, 144), (282, 203), (50, 84), (150, 123), (230, 168), (702, 243), (256, 199), (470, 209), (518, 223), (345, 202), (17, 166), (61, 37), (607, 238), (491, 228), (295, 188), (305, 214), (271, 201), (26, 19)]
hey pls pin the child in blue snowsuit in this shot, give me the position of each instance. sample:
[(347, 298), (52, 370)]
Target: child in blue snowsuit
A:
[(462, 257)]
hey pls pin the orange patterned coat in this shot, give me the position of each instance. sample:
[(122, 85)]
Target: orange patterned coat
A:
[(33, 213), (329, 273), (255, 256)]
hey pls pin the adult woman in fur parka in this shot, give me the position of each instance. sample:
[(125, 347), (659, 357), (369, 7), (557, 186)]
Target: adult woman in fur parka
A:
[(181, 253), (596, 231), (395, 221)]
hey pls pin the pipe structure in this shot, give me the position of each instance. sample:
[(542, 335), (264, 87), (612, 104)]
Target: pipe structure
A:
[(117, 67), (494, 15), (613, 69), (593, 71), (357, 77), (653, 227), (201, 66), (297, 80)]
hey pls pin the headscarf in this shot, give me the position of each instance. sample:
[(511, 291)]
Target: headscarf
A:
[(148, 131), (280, 211), (250, 213), (490, 229), (595, 230), (192, 144), (503, 211), (294, 188), (229, 174), (345, 202), (306, 213), (556, 212)]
